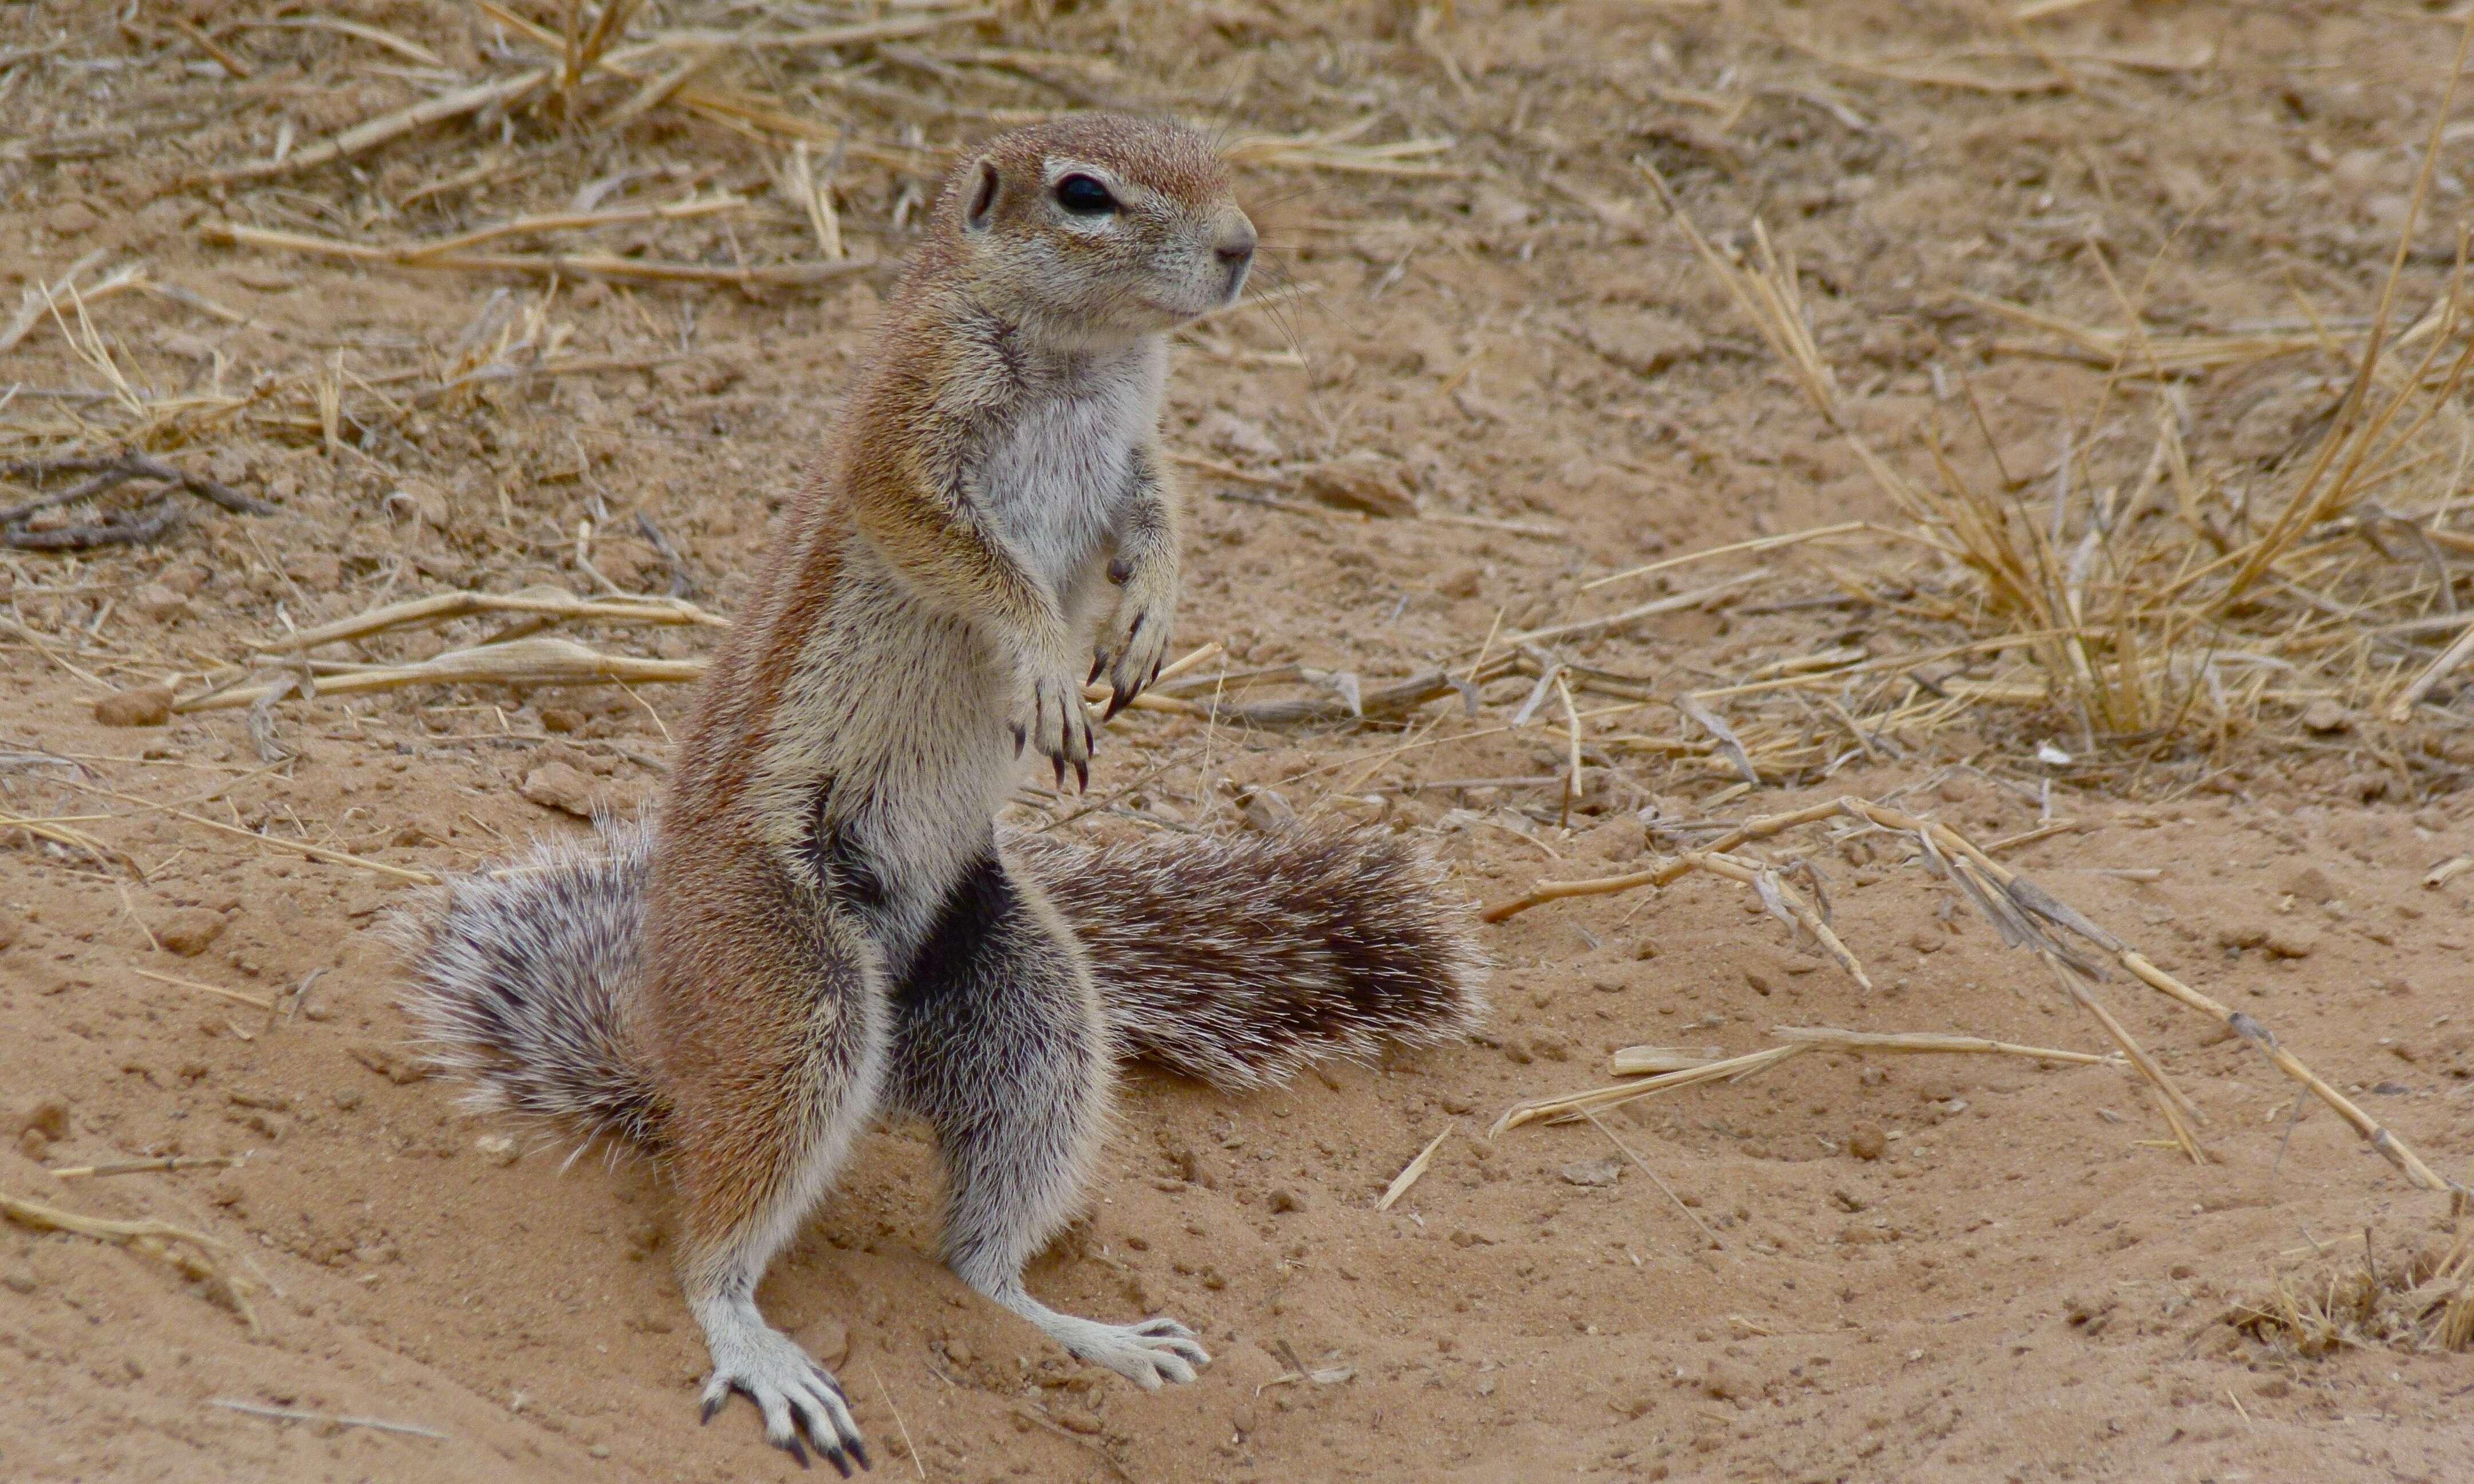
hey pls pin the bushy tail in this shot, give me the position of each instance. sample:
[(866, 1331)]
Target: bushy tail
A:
[(519, 985), (1234, 959), (1239, 960)]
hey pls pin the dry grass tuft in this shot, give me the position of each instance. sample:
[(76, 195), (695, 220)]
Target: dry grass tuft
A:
[(2137, 599), (2425, 1303), (570, 90)]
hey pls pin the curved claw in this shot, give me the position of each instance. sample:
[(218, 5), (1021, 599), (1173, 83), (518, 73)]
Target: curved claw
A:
[(803, 1405), (1058, 725), (1135, 657)]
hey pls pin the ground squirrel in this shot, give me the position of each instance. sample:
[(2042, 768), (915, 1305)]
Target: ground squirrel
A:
[(825, 923)]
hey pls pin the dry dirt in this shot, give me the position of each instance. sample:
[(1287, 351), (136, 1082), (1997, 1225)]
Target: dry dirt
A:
[(2026, 1283)]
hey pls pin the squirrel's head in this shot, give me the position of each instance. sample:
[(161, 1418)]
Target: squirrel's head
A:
[(1098, 228)]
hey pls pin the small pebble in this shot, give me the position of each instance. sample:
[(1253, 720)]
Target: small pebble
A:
[(2310, 883), (147, 705), (1868, 1141), (189, 931), (1593, 1172), (1360, 481), (159, 603), (46, 1116), (829, 1340), (557, 786), (2324, 716)]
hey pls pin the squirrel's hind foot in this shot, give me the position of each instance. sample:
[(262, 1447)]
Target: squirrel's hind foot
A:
[(1148, 1354), (1157, 1352), (799, 1397)]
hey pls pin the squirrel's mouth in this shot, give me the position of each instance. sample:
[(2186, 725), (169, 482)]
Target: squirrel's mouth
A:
[(1217, 297)]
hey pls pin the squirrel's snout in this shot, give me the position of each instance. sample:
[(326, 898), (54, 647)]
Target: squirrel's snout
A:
[(1235, 251), (1236, 245)]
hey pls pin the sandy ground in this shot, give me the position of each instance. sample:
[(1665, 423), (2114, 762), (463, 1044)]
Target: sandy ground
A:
[(1905, 1269)]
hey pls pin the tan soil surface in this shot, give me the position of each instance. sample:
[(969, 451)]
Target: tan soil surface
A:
[(2028, 1283)]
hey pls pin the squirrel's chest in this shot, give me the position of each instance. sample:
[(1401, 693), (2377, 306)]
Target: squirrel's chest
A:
[(1056, 474)]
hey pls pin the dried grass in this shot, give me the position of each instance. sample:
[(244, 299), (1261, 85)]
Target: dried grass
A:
[(2024, 915), (2164, 606), (541, 606), (1669, 1072), (65, 835), (160, 1164), (566, 91), (196, 1256), (312, 404), (518, 655), (1411, 1173), (2423, 1302)]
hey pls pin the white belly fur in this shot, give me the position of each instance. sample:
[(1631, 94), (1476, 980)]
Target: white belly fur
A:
[(1054, 477), (908, 711)]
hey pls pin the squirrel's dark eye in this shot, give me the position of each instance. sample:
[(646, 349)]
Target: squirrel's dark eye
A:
[(1084, 196)]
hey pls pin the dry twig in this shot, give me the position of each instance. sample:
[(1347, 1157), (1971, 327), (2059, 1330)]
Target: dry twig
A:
[(2026, 916), (197, 1256)]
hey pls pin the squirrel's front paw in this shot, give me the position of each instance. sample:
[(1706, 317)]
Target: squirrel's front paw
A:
[(1056, 723), (1137, 643), (798, 1398)]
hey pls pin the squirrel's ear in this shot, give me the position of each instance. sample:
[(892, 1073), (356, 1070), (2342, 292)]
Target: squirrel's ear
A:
[(983, 197)]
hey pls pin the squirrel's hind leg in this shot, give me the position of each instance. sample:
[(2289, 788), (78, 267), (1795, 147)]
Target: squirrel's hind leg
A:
[(764, 1109), (1000, 1044)]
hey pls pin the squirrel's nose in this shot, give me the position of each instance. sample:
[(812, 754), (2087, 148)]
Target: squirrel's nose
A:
[(1236, 245)]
